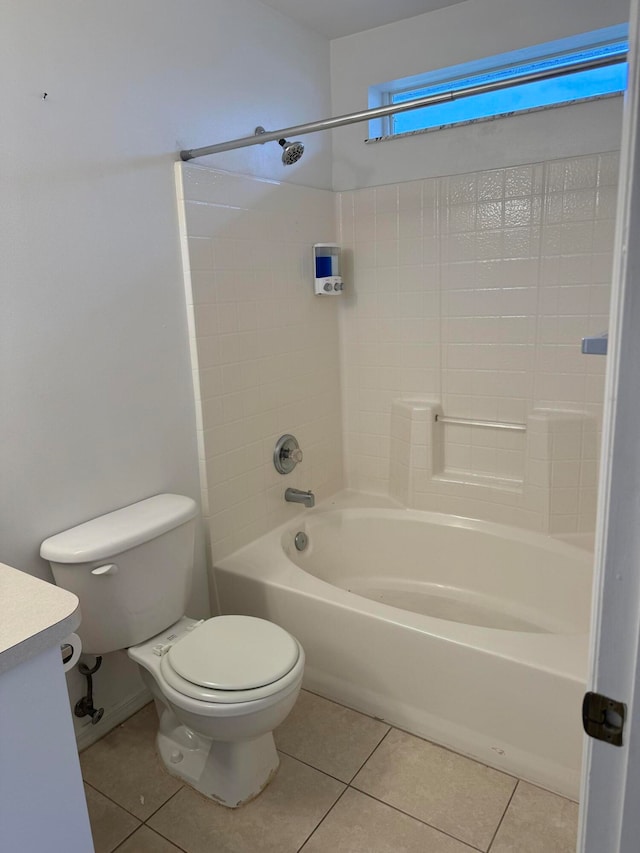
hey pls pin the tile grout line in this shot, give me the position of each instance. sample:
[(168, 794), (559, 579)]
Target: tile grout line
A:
[(164, 837), (360, 713), (177, 846), (371, 754), (420, 820), (459, 754), (322, 819), (346, 784), (140, 821), (501, 821), (463, 755), (434, 743), (155, 812), (112, 801), (347, 707), (157, 831), (125, 809), (124, 840), (312, 766), (135, 829)]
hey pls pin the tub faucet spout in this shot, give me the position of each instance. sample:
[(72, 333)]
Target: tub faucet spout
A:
[(297, 496)]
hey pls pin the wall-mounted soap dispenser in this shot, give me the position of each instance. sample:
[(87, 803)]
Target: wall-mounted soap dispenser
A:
[(326, 263)]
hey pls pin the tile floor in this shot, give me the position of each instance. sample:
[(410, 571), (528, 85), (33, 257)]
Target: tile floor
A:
[(347, 784)]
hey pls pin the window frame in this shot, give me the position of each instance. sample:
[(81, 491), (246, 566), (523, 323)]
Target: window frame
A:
[(577, 47)]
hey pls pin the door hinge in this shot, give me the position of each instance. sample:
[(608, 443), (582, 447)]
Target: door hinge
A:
[(603, 718)]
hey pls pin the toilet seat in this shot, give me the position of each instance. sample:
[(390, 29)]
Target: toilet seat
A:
[(232, 659)]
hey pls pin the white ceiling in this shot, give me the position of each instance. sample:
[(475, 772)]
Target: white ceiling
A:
[(335, 18)]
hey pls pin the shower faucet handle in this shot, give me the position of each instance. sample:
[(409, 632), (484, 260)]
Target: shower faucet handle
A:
[(296, 455), (287, 454)]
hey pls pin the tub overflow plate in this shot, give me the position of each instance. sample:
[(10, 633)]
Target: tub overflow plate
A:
[(301, 540)]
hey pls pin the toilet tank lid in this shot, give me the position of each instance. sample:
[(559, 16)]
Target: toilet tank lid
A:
[(111, 534)]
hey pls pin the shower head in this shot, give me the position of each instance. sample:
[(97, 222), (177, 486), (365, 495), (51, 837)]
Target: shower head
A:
[(291, 151)]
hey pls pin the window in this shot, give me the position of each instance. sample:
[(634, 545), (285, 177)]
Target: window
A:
[(518, 97)]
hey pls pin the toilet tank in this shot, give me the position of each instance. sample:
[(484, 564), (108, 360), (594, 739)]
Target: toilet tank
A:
[(131, 570)]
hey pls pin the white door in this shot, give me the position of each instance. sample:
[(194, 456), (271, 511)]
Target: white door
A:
[(610, 811)]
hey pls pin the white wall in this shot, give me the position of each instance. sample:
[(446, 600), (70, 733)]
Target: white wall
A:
[(97, 403), (456, 34)]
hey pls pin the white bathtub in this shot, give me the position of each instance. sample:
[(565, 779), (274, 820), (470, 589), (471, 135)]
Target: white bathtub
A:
[(470, 634)]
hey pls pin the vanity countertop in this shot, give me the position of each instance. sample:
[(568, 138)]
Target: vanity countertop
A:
[(34, 615)]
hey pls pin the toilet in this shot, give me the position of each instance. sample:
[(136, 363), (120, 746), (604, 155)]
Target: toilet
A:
[(220, 685)]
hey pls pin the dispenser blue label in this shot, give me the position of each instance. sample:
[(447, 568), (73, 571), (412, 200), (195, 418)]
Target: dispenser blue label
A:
[(324, 266)]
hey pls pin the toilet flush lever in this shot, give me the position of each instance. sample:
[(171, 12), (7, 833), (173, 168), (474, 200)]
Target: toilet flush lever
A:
[(110, 569)]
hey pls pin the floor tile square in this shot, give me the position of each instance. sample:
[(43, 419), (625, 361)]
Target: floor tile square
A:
[(125, 767), (278, 821), (537, 822), (110, 824), (145, 840), (328, 736), (454, 794), (359, 824)]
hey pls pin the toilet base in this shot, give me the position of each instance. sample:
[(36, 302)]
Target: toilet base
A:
[(230, 773)]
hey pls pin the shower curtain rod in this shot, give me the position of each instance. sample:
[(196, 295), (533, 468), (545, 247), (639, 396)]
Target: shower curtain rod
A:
[(380, 112)]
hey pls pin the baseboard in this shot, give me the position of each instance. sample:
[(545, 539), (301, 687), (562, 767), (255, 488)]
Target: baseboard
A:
[(89, 733)]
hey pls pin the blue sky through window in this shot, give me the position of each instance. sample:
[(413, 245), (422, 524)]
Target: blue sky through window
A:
[(518, 97)]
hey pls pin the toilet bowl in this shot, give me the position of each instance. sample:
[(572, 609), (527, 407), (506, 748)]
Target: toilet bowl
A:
[(220, 685), (219, 739)]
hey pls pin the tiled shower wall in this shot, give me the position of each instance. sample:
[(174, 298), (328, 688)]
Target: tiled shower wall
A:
[(265, 350), (473, 292), (468, 294)]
